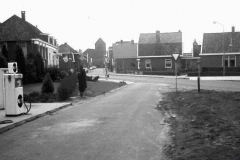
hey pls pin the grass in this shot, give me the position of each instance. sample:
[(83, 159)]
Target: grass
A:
[(93, 88), (203, 126)]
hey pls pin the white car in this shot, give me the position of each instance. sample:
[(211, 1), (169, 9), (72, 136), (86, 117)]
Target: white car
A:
[(86, 70)]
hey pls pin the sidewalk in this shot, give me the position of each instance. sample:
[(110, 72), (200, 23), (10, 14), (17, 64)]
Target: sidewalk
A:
[(214, 78), (37, 110)]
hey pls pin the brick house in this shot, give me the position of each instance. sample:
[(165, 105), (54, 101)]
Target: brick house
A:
[(189, 60), (96, 55), (69, 58), (17, 31), (216, 45), (111, 60), (155, 50), (125, 56)]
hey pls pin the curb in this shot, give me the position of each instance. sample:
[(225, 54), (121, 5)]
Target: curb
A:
[(19, 123)]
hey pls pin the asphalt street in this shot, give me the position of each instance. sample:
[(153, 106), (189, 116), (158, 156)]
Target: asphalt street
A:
[(119, 125)]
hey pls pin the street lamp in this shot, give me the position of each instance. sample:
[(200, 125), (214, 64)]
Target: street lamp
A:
[(215, 22)]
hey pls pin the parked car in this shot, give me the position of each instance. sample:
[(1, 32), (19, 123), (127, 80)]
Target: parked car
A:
[(86, 70)]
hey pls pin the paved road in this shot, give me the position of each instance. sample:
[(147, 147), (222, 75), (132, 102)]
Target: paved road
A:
[(120, 125), (182, 83)]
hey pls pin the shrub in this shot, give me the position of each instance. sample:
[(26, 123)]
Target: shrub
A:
[(47, 86), (67, 86), (54, 73), (63, 74), (39, 67), (33, 96), (47, 97), (5, 52), (30, 76), (20, 59), (3, 62)]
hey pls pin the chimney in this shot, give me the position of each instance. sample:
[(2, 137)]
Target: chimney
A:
[(23, 15), (157, 36), (233, 29), (132, 41), (121, 41)]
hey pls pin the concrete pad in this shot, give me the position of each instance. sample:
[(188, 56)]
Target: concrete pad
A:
[(37, 110)]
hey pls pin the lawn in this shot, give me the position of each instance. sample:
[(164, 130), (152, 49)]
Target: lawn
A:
[(93, 88), (203, 125)]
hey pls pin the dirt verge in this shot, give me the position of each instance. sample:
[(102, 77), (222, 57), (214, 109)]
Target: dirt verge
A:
[(203, 125)]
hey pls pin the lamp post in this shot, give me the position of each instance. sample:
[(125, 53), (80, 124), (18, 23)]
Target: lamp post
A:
[(198, 63), (215, 22)]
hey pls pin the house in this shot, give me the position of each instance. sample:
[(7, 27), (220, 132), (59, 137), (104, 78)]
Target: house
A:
[(111, 60), (189, 61), (125, 56), (69, 58), (96, 55), (216, 46), (17, 31), (155, 50)]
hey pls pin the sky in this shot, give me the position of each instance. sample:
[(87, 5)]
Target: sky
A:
[(80, 23)]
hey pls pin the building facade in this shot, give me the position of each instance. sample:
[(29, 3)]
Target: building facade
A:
[(69, 58), (219, 49), (17, 31), (96, 56), (155, 50), (125, 56)]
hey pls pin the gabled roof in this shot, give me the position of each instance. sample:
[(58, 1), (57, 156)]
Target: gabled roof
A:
[(213, 42), (150, 38), (66, 49), (16, 29), (124, 50), (100, 41)]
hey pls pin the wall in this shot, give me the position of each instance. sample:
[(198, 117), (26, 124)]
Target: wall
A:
[(211, 61)]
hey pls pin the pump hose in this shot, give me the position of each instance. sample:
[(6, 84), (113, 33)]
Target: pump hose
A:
[(28, 108)]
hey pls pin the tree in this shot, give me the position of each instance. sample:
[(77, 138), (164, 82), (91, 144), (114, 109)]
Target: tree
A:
[(47, 86), (5, 52), (39, 66), (30, 76), (20, 59)]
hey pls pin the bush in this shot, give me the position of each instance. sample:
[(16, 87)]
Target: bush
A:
[(33, 96), (63, 74), (54, 73), (47, 86), (3, 62), (20, 59), (39, 67), (47, 97), (67, 87), (30, 76)]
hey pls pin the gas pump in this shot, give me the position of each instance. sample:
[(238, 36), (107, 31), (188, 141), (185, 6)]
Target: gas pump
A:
[(14, 101), (2, 87)]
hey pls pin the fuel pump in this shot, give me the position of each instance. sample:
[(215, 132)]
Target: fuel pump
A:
[(14, 100), (2, 87)]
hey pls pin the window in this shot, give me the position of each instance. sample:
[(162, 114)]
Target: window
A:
[(168, 63), (148, 63), (230, 61)]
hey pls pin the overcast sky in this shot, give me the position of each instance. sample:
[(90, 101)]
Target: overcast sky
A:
[(81, 23)]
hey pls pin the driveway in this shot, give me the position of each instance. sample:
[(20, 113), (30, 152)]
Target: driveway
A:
[(119, 125)]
